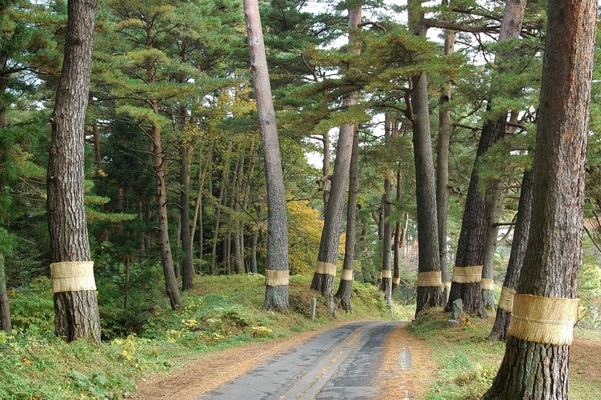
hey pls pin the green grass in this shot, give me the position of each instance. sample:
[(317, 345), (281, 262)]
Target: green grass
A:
[(220, 312), (468, 361), (223, 312)]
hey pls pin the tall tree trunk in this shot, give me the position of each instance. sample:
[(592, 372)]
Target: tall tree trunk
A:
[(158, 161), (545, 309), (442, 169), (75, 301), (218, 206), (186, 238), (325, 272), (516, 259), (253, 251), (429, 281), (490, 246), (5, 320), (345, 288), (203, 171), (238, 233), (97, 157), (467, 273), (429, 291), (326, 167), (470, 248), (386, 270), (276, 267), (399, 233), (245, 193), (126, 285)]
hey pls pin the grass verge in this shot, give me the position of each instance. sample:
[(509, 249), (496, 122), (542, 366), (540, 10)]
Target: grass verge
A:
[(467, 362), (220, 312)]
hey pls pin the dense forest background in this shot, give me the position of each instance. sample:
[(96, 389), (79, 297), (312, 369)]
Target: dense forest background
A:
[(178, 76)]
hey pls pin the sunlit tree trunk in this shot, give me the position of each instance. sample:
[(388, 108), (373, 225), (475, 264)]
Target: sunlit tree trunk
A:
[(276, 267), (536, 359)]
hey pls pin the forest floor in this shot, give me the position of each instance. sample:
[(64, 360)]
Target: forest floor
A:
[(198, 374)]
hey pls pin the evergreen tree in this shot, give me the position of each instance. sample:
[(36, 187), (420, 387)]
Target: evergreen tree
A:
[(536, 358), (75, 301), (276, 268)]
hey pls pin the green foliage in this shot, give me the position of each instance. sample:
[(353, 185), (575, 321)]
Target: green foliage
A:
[(589, 291), (36, 367), (127, 296), (32, 307)]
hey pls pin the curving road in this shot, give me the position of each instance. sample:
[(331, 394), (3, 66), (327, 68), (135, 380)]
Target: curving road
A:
[(341, 363)]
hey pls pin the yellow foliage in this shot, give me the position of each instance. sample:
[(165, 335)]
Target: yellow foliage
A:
[(304, 233)]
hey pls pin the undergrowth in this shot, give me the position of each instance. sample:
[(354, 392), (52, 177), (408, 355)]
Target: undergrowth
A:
[(468, 361), (220, 312)]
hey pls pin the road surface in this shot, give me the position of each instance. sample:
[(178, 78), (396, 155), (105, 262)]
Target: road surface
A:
[(341, 363)]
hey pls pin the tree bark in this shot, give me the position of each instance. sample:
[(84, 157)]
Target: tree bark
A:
[(442, 169), (158, 161), (470, 247), (323, 279), (490, 246), (532, 369), (76, 312), (276, 293), (218, 206), (345, 288), (386, 283), (326, 167), (186, 238), (5, 320), (425, 178), (238, 233), (473, 230), (516, 258), (427, 233)]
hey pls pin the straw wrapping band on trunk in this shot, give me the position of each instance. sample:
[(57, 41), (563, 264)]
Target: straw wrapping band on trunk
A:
[(326, 268), (72, 276), (430, 278), (276, 278), (506, 299), (548, 320), (396, 280), (386, 273), (346, 275), (487, 284), (471, 274)]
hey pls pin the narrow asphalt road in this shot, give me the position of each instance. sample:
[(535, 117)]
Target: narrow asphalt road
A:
[(341, 363)]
